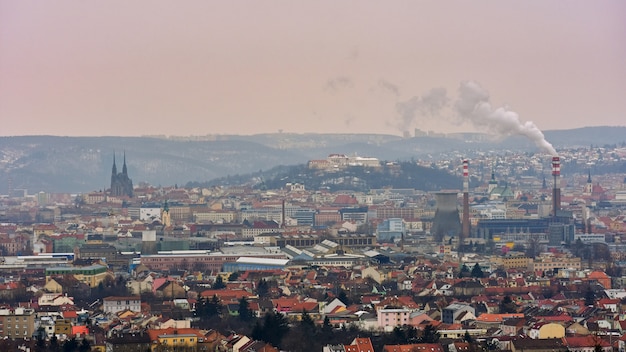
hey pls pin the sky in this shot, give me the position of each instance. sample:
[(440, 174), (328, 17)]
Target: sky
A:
[(200, 67)]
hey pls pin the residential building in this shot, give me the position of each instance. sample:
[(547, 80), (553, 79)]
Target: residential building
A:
[(118, 304), (17, 323)]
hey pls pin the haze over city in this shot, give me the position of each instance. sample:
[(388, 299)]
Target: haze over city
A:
[(195, 68)]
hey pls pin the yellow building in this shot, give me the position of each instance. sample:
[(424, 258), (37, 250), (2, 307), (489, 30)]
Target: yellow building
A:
[(91, 275), (515, 262), (544, 330), (63, 327), (548, 262), (172, 339)]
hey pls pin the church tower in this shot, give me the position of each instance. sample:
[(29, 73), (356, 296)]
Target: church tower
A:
[(165, 215), (588, 186), (124, 170), (492, 183), (121, 184)]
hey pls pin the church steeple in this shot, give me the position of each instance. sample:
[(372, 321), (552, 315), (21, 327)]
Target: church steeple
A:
[(589, 186), (124, 170), (492, 183), (114, 170)]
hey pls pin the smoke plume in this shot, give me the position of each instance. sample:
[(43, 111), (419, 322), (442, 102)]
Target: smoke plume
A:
[(429, 104), (473, 105)]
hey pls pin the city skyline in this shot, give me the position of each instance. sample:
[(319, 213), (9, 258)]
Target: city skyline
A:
[(198, 68)]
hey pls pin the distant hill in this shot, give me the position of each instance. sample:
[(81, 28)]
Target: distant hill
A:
[(402, 175), (82, 164)]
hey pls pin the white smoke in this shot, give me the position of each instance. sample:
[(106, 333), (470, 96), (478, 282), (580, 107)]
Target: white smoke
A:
[(429, 104), (473, 105)]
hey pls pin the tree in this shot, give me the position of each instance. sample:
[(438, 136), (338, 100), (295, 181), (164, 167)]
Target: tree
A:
[(233, 276), (590, 297), (214, 307), (85, 346), (534, 247), (467, 337), (70, 345), (275, 327), (306, 321), (208, 308), (507, 305), (343, 297), (54, 344), (491, 345), (464, 272), (262, 288), (219, 283), (245, 313), (327, 329), (430, 334), (477, 271)]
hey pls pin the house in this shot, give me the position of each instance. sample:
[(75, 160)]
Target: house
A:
[(536, 345), (140, 285), (374, 274), (138, 341), (489, 320), (360, 344), (114, 304), (389, 318), (175, 339), (54, 299), (589, 343), (169, 290), (327, 308), (457, 312), (416, 347), (468, 288), (545, 330)]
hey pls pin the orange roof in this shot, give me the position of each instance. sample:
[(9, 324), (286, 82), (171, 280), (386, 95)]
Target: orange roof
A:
[(496, 318), (80, 329), (226, 294), (70, 314), (360, 344), (598, 275), (430, 347), (155, 333)]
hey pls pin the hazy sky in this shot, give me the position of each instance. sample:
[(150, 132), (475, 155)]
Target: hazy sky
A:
[(141, 67)]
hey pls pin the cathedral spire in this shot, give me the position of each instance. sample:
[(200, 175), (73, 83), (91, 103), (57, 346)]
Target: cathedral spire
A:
[(589, 177), (114, 170), (124, 171)]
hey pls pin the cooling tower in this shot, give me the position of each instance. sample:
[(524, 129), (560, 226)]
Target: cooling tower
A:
[(447, 221)]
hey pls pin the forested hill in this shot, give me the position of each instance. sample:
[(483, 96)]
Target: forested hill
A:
[(389, 175)]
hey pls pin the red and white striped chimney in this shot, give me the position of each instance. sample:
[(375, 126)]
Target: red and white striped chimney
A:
[(465, 221), (556, 191)]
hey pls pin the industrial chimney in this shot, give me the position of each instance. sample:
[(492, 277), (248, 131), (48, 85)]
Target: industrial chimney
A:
[(556, 192), (465, 223)]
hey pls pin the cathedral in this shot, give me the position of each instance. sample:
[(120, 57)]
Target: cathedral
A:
[(121, 184)]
